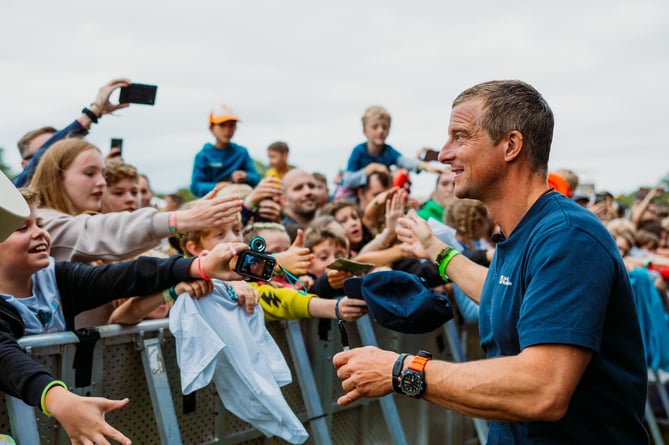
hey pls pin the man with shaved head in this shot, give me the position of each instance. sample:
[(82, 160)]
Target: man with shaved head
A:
[(299, 200)]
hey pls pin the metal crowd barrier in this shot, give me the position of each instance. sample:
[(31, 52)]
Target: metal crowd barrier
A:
[(139, 362)]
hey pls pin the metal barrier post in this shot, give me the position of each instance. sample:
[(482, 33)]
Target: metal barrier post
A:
[(159, 389), (454, 343), (22, 421), (305, 378), (388, 406)]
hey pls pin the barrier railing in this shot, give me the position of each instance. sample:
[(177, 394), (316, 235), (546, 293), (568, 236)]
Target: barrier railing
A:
[(139, 362)]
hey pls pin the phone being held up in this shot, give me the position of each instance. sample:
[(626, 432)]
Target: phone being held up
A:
[(138, 93), (118, 144), (430, 155)]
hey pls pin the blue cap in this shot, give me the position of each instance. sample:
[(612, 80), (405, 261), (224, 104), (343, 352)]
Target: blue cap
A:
[(400, 301)]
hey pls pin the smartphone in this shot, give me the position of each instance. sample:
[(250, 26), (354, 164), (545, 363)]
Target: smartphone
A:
[(430, 155), (117, 143), (138, 93), (351, 266), (255, 265), (599, 197)]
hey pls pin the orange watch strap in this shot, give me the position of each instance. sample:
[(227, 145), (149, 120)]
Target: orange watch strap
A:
[(418, 363)]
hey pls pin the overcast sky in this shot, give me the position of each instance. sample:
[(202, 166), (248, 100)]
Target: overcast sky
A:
[(304, 72)]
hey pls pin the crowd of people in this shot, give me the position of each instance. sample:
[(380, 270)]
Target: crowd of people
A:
[(514, 246)]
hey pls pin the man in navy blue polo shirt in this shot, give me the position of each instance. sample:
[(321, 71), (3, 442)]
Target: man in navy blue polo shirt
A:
[(565, 361)]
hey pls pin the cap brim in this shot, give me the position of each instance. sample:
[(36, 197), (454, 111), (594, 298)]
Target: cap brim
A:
[(221, 119), (13, 208), (353, 287)]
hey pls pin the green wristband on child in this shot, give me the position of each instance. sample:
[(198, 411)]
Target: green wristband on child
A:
[(45, 390)]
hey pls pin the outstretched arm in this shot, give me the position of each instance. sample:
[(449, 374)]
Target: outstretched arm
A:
[(83, 418), (22, 377), (537, 384)]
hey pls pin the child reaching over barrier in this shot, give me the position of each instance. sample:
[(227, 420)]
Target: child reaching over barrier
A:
[(39, 295), (135, 309), (70, 182), (280, 303)]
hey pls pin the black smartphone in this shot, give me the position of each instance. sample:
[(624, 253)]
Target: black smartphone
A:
[(255, 265), (430, 155), (138, 93), (117, 143), (599, 197)]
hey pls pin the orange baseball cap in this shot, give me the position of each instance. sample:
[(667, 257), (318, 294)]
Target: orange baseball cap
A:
[(222, 113)]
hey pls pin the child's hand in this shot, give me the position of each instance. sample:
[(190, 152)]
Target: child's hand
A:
[(247, 296), (373, 213), (196, 289), (267, 188), (238, 176), (219, 261), (83, 418), (395, 209), (336, 278), (296, 259), (350, 309), (208, 212), (307, 280), (269, 210)]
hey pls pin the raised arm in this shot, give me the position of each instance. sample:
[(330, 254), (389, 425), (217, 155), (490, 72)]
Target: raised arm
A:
[(98, 108)]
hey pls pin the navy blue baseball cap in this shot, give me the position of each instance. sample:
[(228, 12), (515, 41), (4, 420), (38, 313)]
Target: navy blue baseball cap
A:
[(400, 301)]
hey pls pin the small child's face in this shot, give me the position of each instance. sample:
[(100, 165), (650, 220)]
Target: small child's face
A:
[(350, 220), (123, 195), (277, 159), (224, 132), (322, 192), (230, 233), (376, 129), (325, 253), (275, 240), (27, 249)]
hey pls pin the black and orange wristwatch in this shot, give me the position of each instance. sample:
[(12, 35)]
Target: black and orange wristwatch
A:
[(412, 379)]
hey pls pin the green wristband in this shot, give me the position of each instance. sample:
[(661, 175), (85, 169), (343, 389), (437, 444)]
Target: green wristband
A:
[(45, 390), (443, 264)]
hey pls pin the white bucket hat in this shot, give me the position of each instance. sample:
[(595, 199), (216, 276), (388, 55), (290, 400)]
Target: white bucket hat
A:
[(13, 208)]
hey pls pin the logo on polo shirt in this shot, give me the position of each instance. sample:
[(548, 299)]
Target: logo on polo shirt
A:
[(504, 280)]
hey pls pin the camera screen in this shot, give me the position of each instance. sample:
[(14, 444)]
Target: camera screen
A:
[(256, 265)]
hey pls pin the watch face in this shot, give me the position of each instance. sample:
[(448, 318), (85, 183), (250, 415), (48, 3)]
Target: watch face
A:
[(412, 383)]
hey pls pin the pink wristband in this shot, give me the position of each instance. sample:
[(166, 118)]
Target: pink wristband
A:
[(199, 269)]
